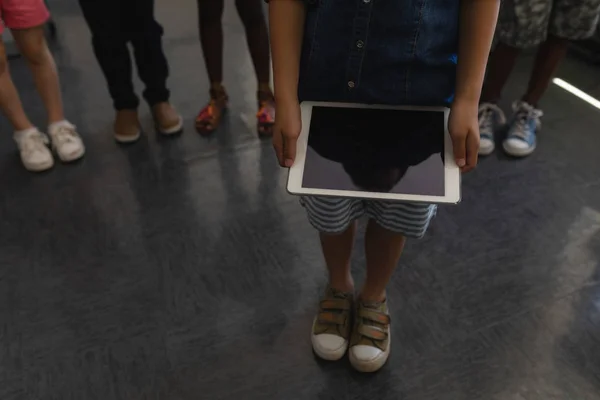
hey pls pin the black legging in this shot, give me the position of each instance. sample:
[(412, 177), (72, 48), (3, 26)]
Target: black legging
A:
[(211, 36), (114, 24)]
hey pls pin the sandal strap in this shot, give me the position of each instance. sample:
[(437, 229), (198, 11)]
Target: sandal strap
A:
[(218, 94), (374, 316), (335, 304), (372, 332)]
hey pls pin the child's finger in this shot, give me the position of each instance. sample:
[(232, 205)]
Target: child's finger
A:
[(459, 145), (472, 150), (278, 146), (289, 151)]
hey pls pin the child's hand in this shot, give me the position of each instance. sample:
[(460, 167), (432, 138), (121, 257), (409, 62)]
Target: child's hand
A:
[(288, 124), (463, 125)]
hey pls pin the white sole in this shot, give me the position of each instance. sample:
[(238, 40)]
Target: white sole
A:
[(373, 365), (71, 158), (39, 167), (518, 153), (486, 152), (329, 355), (128, 138), (171, 131)]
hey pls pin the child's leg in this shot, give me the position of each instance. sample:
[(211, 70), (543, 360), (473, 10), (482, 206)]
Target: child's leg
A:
[(33, 47), (337, 251), (65, 139), (571, 20), (210, 26), (146, 34), (32, 144), (109, 41), (10, 102), (384, 241), (522, 24), (383, 249), (210, 13), (251, 14), (548, 57), (335, 219)]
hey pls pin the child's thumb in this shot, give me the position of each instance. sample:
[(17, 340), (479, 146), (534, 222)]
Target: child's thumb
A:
[(459, 144)]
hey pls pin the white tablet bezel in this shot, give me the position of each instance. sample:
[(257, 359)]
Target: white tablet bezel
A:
[(452, 172)]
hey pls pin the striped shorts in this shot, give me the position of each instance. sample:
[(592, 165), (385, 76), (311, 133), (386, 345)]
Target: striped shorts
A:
[(333, 215)]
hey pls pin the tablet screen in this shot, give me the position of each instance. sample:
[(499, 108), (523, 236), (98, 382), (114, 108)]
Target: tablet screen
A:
[(376, 150)]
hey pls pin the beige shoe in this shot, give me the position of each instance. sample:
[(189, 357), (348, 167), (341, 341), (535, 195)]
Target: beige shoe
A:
[(331, 326), (370, 343), (166, 118), (127, 126)]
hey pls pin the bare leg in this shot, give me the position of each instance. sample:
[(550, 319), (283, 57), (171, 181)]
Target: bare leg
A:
[(337, 250), (500, 65), (33, 47), (548, 57), (251, 14), (383, 249), (10, 103), (211, 38)]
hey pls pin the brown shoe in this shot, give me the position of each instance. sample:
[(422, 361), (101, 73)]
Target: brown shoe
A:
[(370, 342), (331, 327), (168, 121), (127, 126)]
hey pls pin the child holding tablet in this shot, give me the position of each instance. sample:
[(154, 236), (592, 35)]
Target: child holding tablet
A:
[(397, 52)]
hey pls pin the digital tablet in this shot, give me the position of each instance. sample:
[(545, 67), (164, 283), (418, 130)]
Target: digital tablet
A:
[(375, 152)]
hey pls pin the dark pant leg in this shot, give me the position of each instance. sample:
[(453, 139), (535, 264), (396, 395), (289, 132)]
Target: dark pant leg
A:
[(104, 18), (145, 34)]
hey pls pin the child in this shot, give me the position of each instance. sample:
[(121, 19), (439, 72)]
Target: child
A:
[(114, 24), (211, 37), (26, 19), (383, 52), (526, 24)]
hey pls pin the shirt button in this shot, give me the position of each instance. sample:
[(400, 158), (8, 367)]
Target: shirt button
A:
[(360, 44), (350, 84)]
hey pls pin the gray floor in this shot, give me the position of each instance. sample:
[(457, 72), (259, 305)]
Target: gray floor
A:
[(181, 269)]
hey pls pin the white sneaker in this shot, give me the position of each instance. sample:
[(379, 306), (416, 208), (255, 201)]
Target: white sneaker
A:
[(33, 147), (331, 327), (66, 141), (521, 139), (371, 342)]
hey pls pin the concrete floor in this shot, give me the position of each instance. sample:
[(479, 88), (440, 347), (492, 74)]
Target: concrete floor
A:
[(180, 269)]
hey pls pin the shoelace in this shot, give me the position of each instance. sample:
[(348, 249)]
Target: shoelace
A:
[(486, 117), (34, 142), (523, 114), (64, 134)]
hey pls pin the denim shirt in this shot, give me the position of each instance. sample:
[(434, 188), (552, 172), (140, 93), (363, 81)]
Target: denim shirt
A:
[(400, 52)]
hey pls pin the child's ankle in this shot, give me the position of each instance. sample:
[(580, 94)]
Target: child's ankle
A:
[(368, 297), (344, 286)]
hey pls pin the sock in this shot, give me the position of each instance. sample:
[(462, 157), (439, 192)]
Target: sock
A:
[(55, 125), (24, 132)]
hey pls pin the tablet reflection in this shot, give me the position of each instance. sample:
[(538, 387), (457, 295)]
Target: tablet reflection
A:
[(372, 150)]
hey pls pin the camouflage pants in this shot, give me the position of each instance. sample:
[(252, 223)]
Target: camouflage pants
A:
[(527, 23)]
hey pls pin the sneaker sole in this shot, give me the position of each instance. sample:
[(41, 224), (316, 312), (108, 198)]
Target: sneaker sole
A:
[(125, 139), (486, 151), (373, 365), (334, 355), (518, 153), (39, 167), (73, 157), (171, 131)]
